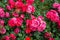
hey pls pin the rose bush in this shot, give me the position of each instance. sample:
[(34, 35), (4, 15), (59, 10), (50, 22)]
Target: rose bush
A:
[(29, 20)]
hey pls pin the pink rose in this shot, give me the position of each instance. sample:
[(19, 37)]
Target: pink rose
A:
[(6, 38), (58, 8), (47, 35), (16, 31), (52, 15), (55, 5), (19, 4), (42, 26), (2, 30), (36, 24), (15, 22), (11, 22), (7, 15), (30, 9), (1, 22), (2, 13), (11, 3)]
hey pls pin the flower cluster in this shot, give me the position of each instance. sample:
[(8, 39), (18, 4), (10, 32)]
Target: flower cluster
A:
[(15, 22), (14, 17), (35, 24), (52, 15), (48, 36), (20, 5), (10, 37), (26, 20), (2, 29), (3, 14)]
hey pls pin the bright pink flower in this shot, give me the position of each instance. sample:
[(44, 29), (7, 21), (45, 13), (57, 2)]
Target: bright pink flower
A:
[(30, 9), (1, 22), (12, 36), (15, 22), (19, 22), (47, 35), (22, 16), (6, 38), (12, 3), (24, 8), (52, 15), (19, 4), (51, 39), (17, 30), (42, 26), (30, 1), (55, 5), (7, 14), (11, 22), (2, 30), (15, 14), (40, 17), (2, 13), (36, 24), (58, 8), (8, 7)]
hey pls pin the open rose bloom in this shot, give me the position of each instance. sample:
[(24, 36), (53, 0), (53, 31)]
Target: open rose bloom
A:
[(36, 24)]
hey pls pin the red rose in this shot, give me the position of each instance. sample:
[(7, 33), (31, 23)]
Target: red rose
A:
[(12, 36), (27, 31), (11, 3), (17, 30), (30, 9), (6, 38), (27, 38), (2, 30), (15, 22)]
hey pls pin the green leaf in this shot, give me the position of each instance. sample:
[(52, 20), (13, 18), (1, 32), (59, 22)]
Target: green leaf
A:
[(7, 27)]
